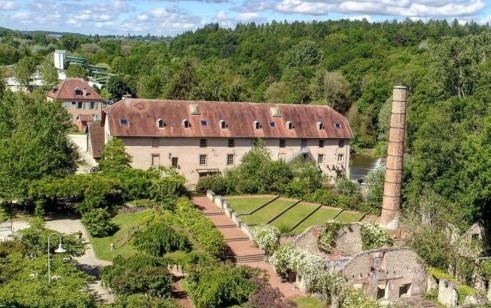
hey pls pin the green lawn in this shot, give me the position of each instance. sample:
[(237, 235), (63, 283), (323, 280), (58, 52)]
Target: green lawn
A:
[(126, 223), (245, 205), (295, 215), (320, 217), (269, 211), (349, 216), (308, 302)]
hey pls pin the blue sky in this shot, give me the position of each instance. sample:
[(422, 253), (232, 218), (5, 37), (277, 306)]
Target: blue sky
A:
[(171, 17)]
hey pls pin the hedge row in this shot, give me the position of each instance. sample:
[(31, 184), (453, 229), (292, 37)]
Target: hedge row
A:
[(201, 228)]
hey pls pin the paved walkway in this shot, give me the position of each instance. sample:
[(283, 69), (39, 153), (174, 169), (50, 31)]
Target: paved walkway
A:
[(80, 140), (88, 260), (243, 249)]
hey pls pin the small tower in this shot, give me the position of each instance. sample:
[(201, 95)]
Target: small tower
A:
[(391, 204), (60, 59)]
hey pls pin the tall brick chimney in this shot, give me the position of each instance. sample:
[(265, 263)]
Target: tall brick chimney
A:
[(391, 204)]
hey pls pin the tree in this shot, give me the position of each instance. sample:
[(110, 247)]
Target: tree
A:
[(23, 71), (117, 87), (49, 74), (159, 239), (114, 157), (70, 42), (76, 71), (337, 91), (305, 53), (33, 143)]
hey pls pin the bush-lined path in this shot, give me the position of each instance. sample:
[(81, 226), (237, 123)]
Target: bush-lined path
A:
[(241, 247)]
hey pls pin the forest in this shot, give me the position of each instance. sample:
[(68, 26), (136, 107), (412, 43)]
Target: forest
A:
[(349, 65)]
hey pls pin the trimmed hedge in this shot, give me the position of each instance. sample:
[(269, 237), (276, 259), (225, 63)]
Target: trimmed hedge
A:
[(201, 228)]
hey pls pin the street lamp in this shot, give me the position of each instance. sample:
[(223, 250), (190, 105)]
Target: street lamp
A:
[(58, 250)]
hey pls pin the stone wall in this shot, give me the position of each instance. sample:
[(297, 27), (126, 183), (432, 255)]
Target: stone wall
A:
[(387, 273)]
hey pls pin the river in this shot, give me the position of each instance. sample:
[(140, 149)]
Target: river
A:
[(361, 165)]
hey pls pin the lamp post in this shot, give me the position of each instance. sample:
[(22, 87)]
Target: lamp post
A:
[(58, 250)]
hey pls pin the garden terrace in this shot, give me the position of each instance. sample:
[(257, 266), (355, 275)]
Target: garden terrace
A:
[(291, 215)]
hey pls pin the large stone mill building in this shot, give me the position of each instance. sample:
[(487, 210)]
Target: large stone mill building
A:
[(201, 138)]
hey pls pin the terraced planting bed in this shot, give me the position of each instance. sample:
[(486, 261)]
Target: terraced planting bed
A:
[(268, 212), (247, 204), (243, 205)]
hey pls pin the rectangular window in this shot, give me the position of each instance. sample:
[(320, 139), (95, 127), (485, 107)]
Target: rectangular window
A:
[(202, 143), (80, 105), (272, 123), (320, 158), (93, 105), (282, 143), (202, 159), (230, 159), (231, 143), (321, 143), (204, 123), (124, 122), (155, 159), (340, 157), (67, 105), (175, 163), (341, 143)]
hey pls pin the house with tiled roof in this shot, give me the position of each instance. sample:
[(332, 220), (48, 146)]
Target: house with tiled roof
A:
[(199, 138), (79, 99)]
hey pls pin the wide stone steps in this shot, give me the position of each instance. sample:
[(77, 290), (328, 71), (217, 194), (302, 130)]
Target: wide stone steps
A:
[(250, 258)]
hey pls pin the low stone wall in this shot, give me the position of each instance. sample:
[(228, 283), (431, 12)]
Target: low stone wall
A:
[(220, 202)]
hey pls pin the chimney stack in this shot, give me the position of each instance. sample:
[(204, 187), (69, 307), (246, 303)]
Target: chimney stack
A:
[(391, 204)]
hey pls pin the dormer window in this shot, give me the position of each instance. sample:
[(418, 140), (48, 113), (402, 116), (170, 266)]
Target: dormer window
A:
[(338, 125), (320, 125), (124, 121), (223, 125), (160, 123), (272, 123), (185, 124), (204, 123), (257, 125), (289, 125), (194, 109), (275, 112)]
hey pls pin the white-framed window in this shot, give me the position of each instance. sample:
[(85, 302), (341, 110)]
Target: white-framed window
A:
[(340, 157), (230, 159), (202, 159), (289, 125), (320, 158), (223, 125), (160, 123), (320, 125), (185, 124), (256, 125)]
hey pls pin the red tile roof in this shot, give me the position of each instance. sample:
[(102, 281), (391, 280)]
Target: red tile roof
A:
[(72, 89), (96, 135), (141, 116), (85, 117)]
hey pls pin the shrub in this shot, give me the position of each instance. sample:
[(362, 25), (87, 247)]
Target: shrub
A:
[(221, 286), (348, 188), (267, 238), (201, 228), (98, 223), (138, 274), (328, 236), (144, 301), (374, 236), (267, 296), (216, 183), (159, 239)]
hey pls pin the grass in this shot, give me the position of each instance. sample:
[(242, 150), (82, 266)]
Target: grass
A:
[(126, 222), (323, 215), (295, 215), (308, 302), (349, 216), (268, 212), (245, 205)]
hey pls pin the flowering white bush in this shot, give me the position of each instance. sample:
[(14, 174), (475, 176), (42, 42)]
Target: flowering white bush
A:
[(374, 236), (266, 237), (283, 259)]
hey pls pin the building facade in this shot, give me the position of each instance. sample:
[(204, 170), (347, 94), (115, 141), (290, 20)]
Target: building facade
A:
[(201, 138), (79, 99)]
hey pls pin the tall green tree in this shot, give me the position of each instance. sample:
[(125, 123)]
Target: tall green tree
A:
[(114, 157), (33, 143), (23, 71), (49, 74), (117, 87)]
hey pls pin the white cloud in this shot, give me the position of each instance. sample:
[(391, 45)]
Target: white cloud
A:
[(248, 17), (404, 8), (8, 5)]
